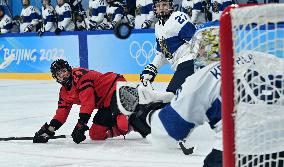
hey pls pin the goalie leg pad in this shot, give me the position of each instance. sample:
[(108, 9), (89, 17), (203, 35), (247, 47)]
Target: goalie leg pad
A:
[(139, 124), (139, 121)]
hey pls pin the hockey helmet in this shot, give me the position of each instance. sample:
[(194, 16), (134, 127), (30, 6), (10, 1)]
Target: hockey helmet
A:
[(56, 67), (163, 9)]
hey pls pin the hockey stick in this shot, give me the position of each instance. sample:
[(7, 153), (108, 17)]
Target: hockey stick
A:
[(30, 138), (185, 150)]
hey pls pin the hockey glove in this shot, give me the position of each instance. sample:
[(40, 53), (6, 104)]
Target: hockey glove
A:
[(40, 32), (148, 74), (78, 133), (29, 28), (43, 135), (93, 25), (146, 24), (58, 30)]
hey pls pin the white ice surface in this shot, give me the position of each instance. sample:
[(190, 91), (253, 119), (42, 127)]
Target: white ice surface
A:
[(26, 105)]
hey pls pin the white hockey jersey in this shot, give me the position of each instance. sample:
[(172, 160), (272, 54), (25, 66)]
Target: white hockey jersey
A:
[(64, 14), (98, 10), (114, 12), (198, 101), (29, 17), (5, 24), (173, 40), (195, 9), (217, 7), (48, 17), (144, 12)]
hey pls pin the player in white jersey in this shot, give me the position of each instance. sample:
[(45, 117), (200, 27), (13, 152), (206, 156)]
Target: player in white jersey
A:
[(144, 14), (197, 101), (217, 7), (173, 32), (48, 16), (115, 14), (198, 13), (195, 10), (98, 12), (29, 17), (5, 21), (64, 14)]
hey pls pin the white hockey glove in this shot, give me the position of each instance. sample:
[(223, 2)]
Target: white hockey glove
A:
[(29, 28), (148, 74), (146, 24)]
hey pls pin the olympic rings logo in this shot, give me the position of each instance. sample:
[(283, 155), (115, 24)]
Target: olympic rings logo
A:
[(142, 53)]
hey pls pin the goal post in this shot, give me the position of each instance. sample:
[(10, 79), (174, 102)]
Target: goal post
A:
[(252, 64)]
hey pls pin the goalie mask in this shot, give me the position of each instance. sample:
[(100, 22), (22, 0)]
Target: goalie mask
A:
[(163, 9), (62, 72)]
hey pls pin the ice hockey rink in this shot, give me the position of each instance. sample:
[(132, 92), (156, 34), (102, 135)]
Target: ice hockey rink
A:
[(27, 105)]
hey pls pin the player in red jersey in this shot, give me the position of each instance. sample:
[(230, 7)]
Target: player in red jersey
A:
[(92, 90)]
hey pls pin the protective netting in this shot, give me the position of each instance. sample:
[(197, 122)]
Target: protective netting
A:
[(258, 39)]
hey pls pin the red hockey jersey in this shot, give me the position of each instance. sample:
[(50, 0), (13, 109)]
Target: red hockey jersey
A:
[(90, 89)]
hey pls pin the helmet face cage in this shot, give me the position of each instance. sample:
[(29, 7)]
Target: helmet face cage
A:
[(58, 65), (163, 16)]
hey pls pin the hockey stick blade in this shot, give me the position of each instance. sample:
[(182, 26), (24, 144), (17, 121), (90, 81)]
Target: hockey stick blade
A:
[(30, 138), (186, 151)]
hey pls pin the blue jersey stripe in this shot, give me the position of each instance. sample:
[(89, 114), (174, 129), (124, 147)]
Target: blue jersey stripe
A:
[(34, 16), (49, 18), (147, 9), (174, 124), (214, 113), (173, 43), (27, 19), (187, 31), (8, 26), (100, 9), (226, 4), (66, 14), (184, 10), (197, 6)]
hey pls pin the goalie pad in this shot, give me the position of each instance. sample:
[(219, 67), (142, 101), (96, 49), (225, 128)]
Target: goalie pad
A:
[(130, 95)]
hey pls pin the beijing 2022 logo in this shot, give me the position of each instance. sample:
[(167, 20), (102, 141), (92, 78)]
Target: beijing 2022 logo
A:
[(143, 53)]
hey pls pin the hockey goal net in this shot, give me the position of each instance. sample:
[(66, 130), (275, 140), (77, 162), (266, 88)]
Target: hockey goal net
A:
[(252, 62)]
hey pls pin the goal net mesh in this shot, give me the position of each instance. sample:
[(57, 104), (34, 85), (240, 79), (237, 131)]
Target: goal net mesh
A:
[(258, 46)]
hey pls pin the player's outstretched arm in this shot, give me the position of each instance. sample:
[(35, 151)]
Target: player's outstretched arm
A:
[(44, 134)]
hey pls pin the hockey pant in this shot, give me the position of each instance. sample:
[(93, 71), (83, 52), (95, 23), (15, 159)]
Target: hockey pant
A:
[(109, 122), (184, 70)]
